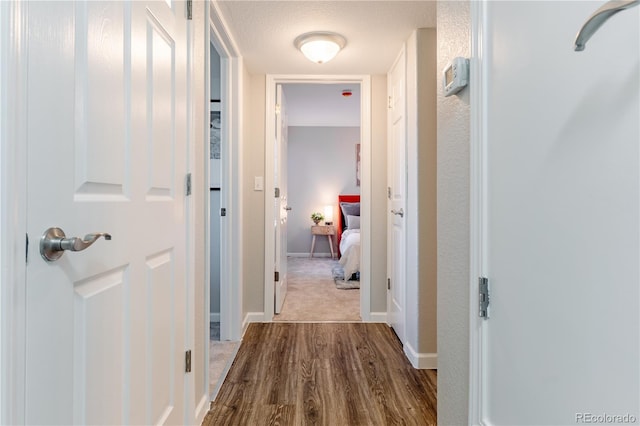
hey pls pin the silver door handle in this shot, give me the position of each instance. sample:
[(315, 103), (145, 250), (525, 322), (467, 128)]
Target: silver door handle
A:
[(398, 212), (54, 243), (287, 208), (598, 18)]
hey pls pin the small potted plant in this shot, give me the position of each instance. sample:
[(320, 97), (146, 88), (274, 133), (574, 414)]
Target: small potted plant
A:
[(316, 217)]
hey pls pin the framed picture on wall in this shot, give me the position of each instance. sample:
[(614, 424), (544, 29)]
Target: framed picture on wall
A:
[(214, 144), (357, 164)]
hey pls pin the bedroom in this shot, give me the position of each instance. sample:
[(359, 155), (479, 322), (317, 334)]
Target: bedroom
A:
[(323, 135)]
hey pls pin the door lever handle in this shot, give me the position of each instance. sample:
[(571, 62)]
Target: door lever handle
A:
[(54, 243), (599, 17), (398, 212)]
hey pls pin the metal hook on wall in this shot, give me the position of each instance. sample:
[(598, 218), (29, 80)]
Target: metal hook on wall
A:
[(598, 18)]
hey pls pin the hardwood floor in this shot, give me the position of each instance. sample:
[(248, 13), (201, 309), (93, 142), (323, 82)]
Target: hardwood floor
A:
[(323, 374)]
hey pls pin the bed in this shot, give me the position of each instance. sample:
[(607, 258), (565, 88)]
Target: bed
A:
[(348, 235)]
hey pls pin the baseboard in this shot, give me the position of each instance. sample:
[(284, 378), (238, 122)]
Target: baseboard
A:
[(202, 409), (421, 361), (251, 317), (214, 317), (308, 254), (377, 317)]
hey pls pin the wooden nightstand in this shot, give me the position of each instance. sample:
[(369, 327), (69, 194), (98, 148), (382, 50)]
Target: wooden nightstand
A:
[(327, 230)]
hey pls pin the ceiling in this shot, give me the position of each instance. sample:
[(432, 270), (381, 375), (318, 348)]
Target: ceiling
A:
[(264, 31), (322, 105)]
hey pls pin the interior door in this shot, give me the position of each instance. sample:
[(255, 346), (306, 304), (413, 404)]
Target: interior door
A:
[(561, 345), (397, 186), (107, 144), (280, 205)]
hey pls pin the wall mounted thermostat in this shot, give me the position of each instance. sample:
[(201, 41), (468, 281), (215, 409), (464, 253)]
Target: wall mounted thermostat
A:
[(455, 76)]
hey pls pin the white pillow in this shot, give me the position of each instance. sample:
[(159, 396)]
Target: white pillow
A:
[(353, 222)]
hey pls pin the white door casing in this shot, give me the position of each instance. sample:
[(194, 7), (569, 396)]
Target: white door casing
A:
[(107, 152), (365, 195), (556, 203), (280, 201), (397, 187)]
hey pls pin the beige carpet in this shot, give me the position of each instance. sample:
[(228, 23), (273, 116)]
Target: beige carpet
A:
[(312, 295)]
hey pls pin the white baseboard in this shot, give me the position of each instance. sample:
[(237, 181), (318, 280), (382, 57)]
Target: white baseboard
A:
[(421, 361), (308, 254), (214, 317), (251, 317), (377, 317), (202, 409)]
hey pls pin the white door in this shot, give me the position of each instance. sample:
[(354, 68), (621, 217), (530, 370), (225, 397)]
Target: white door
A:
[(107, 96), (280, 205), (561, 345), (397, 186)]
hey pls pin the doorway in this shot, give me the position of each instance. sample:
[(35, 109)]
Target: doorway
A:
[(364, 137), (321, 155)]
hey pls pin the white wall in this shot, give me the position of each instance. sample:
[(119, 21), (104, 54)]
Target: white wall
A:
[(214, 72), (453, 222), (321, 165)]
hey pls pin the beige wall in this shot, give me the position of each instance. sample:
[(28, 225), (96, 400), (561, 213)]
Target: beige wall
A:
[(253, 201), (454, 26), (427, 199), (378, 193), (253, 159)]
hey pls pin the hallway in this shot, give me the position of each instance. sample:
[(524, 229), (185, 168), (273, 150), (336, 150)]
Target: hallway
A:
[(333, 374)]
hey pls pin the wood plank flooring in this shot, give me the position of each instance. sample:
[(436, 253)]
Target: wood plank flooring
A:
[(323, 374)]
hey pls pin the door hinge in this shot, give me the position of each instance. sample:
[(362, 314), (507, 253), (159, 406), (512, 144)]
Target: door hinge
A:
[(483, 297), (223, 211), (277, 192), (276, 276), (388, 192), (390, 102), (278, 109), (189, 10), (388, 283), (187, 361), (188, 183), (26, 254)]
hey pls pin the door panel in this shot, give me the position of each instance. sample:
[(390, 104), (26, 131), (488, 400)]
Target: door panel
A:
[(397, 182), (563, 212), (107, 153), (281, 212)]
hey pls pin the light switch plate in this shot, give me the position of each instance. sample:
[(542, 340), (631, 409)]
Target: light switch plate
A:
[(258, 183)]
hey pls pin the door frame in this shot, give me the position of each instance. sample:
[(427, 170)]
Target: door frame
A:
[(478, 209), (13, 222), (365, 189), (231, 72)]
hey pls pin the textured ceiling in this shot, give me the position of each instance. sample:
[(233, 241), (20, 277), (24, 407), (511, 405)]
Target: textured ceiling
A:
[(375, 30)]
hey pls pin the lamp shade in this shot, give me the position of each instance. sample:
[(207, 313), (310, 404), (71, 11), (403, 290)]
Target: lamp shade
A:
[(328, 214), (320, 47)]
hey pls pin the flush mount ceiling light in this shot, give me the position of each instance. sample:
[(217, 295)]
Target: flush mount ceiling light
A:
[(320, 46)]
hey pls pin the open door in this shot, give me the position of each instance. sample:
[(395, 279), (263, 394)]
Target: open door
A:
[(281, 209), (397, 187), (107, 153), (561, 206)]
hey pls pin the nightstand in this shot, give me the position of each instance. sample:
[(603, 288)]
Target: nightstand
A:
[(327, 230)]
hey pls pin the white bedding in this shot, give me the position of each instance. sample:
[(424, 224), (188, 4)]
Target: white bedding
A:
[(350, 249)]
